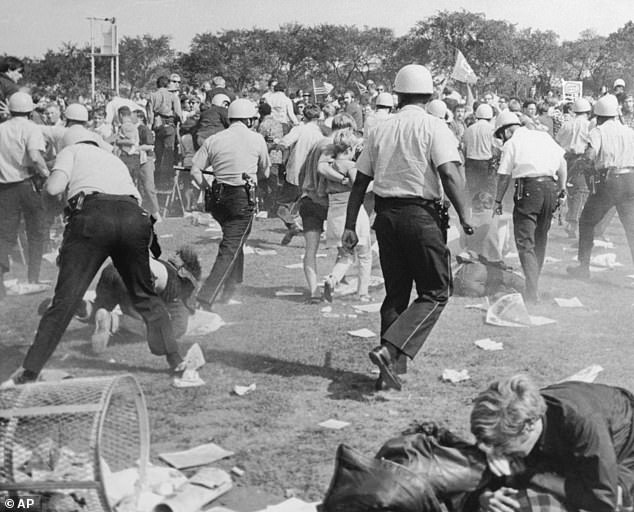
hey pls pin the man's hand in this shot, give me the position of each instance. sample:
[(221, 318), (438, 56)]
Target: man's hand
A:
[(498, 209), (501, 500), (467, 228), (349, 239)]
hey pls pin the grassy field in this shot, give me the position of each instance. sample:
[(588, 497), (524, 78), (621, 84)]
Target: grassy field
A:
[(307, 369)]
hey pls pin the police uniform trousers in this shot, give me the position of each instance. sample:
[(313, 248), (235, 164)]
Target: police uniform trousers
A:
[(616, 190), (113, 226), (532, 216), (234, 213), (413, 250), (17, 200)]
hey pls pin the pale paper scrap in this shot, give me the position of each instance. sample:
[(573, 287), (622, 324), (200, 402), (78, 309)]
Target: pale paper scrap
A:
[(244, 390), (190, 379), (489, 344), (568, 303), (541, 320), (362, 333), (294, 265), (455, 376), (247, 249), (368, 308), (198, 456), (265, 252), (288, 293), (588, 374), (292, 505), (334, 424)]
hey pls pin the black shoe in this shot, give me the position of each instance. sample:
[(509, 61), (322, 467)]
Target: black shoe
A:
[(328, 289), (579, 272), (380, 356)]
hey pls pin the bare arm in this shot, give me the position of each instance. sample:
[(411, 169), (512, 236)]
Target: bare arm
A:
[(38, 161), (562, 175), (454, 188)]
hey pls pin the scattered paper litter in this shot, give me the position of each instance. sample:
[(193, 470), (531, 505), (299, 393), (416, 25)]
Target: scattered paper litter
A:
[(288, 293), (166, 235), (198, 456), (588, 374), (51, 257), (262, 215), (607, 260), (294, 265), (489, 344), (550, 259), (190, 379), (362, 333), (291, 505), (318, 255), (331, 315), (541, 320), (233, 302), (455, 376), (14, 288), (244, 390), (194, 358), (603, 244), (631, 276), (237, 471), (265, 252), (326, 309), (368, 308), (334, 424), (569, 303), (508, 311), (247, 249), (203, 322)]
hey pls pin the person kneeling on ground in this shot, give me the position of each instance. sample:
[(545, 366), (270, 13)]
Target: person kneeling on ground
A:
[(174, 281), (581, 432)]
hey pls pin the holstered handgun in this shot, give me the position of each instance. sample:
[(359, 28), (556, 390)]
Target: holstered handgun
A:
[(250, 188), (519, 189), (213, 194), (442, 209), (75, 204)]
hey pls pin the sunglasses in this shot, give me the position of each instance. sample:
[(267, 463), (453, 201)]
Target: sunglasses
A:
[(175, 81)]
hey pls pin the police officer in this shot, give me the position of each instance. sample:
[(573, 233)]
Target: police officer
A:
[(611, 148), (537, 164), (105, 219), (22, 170), (236, 156), (412, 157)]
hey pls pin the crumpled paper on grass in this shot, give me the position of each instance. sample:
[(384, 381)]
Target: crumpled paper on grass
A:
[(455, 376)]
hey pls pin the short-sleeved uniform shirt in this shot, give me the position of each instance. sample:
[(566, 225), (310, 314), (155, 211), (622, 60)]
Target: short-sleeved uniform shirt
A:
[(478, 140), (403, 154), (530, 154), (91, 169), (573, 135), (614, 145), (232, 152), (18, 135)]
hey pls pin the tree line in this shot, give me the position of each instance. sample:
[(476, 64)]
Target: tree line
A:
[(506, 59)]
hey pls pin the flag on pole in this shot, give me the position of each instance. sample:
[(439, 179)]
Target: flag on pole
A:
[(470, 100), (462, 71), (362, 88), (322, 88)]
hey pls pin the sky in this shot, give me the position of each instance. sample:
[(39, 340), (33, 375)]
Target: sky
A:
[(29, 27)]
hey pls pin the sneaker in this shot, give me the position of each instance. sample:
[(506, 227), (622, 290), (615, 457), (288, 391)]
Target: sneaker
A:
[(579, 272), (103, 326), (329, 288)]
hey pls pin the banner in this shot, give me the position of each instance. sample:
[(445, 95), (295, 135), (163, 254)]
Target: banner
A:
[(462, 71), (571, 90), (108, 46)]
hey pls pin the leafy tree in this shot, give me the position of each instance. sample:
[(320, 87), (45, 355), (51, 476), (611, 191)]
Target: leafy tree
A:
[(143, 58)]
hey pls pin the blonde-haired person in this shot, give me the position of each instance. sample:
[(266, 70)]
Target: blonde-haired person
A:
[(340, 174), (583, 433)]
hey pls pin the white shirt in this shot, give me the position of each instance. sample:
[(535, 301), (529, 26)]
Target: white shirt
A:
[(92, 169), (18, 135), (478, 140), (282, 108), (301, 139), (574, 135), (374, 119), (614, 144), (531, 154), (404, 152)]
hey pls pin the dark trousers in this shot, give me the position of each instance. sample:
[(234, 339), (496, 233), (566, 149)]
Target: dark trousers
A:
[(19, 200), (235, 215), (112, 226), (618, 190), (412, 250), (532, 216), (111, 291), (164, 150)]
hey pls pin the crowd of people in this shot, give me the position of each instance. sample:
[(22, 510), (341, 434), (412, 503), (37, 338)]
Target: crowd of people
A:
[(310, 161)]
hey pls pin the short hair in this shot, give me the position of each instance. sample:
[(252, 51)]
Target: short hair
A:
[(279, 86), (502, 412), (98, 111), (190, 259), (140, 113), (10, 64), (350, 92), (329, 110), (312, 112), (264, 109), (530, 102), (343, 120), (124, 111), (515, 105), (408, 99), (54, 105), (344, 140), (218, 81), (272, 81), (162, 81)]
